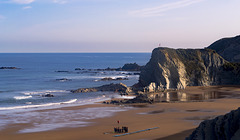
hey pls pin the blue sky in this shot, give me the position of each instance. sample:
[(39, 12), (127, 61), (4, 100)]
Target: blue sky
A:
[(114, 25)]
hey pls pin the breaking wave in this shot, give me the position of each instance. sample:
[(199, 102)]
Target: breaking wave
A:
[(22, 97), (37, 106)]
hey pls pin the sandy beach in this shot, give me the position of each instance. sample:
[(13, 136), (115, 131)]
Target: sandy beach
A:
[(174, 120)]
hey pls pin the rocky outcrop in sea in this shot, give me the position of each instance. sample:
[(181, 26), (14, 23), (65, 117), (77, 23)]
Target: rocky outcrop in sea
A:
[(9, 68), (121, 88), (178, 68), (226, 127), (125, 67)]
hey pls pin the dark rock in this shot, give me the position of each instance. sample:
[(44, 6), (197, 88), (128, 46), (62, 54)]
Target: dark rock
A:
[(226, 127), (136, 73), (112, 79), (79, 69), (61, 71), (121, 78), (10, 68), (113, 87), (126, 67), (228, 48), (48, 95), (84, 90), (106, 79), (141, 98), (63, 79), (132, 67), (121, 88), (128, 73)]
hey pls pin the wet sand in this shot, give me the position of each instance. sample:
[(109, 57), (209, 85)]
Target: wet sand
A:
[(175, 120)]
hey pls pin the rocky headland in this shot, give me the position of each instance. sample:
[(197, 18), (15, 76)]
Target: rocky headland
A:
[(178, 68), (228, 48), (175, 69)]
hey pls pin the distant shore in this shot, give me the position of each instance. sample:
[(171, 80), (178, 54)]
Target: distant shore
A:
[(175, 120)]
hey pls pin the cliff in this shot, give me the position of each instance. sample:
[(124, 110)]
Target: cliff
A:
[(221, 128), (228, 48), (178, 68)]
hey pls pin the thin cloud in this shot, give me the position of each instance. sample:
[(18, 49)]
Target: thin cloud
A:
[(2, 17), (27, 7), (60, 1), (160, 10), (22, 1)]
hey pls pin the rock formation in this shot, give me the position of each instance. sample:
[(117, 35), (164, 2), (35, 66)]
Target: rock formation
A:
[(126, 67), (178, 68), (48, 95), (131, 67), (225, 127), (121, 88), (228, 48), (63, 79), (113, 79), (10, 68)]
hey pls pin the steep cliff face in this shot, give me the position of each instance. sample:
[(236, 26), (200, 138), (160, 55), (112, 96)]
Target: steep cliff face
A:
[(225, 127), (228, 48), (178, 68)]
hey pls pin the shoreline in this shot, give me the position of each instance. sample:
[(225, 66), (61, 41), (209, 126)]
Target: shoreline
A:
[(173, 119)]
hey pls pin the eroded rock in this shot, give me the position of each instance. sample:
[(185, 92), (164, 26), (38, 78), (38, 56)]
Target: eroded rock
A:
[(121, 88), (178, 68), (225, 127)]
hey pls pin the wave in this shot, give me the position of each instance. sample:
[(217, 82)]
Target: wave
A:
[(125, 97), (69, 102), (37, 106), (42, 92), (112, 77), (22, 97)]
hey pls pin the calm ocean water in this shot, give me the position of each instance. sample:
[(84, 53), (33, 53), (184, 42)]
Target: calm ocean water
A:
[(23, 88)]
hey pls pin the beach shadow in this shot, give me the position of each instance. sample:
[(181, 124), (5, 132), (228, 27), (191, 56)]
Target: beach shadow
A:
[(178, 136), (139, 105), (156, 111)]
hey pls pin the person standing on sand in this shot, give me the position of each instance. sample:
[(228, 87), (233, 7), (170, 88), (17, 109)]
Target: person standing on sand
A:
[(118, 121)]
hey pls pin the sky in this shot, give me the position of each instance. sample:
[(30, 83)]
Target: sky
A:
[(74, 26)]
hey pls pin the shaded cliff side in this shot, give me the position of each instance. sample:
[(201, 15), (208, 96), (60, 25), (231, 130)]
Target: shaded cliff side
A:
[(178, 68), (221, 128), (228, 48)]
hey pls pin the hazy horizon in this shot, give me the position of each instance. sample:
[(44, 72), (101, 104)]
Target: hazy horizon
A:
[(113, 26)]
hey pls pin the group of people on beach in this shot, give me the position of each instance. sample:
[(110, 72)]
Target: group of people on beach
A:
[(124, 129), (121, 130)]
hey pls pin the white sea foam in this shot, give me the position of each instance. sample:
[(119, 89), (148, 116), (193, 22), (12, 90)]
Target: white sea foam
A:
[(126, 97), (42, 92), (113, 77), (28, 103), (22, 97), (49, 120), (69, 102), (37, 106), (53, 119)]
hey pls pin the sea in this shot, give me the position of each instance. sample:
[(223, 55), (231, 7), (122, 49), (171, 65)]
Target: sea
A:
[(23, 90)]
